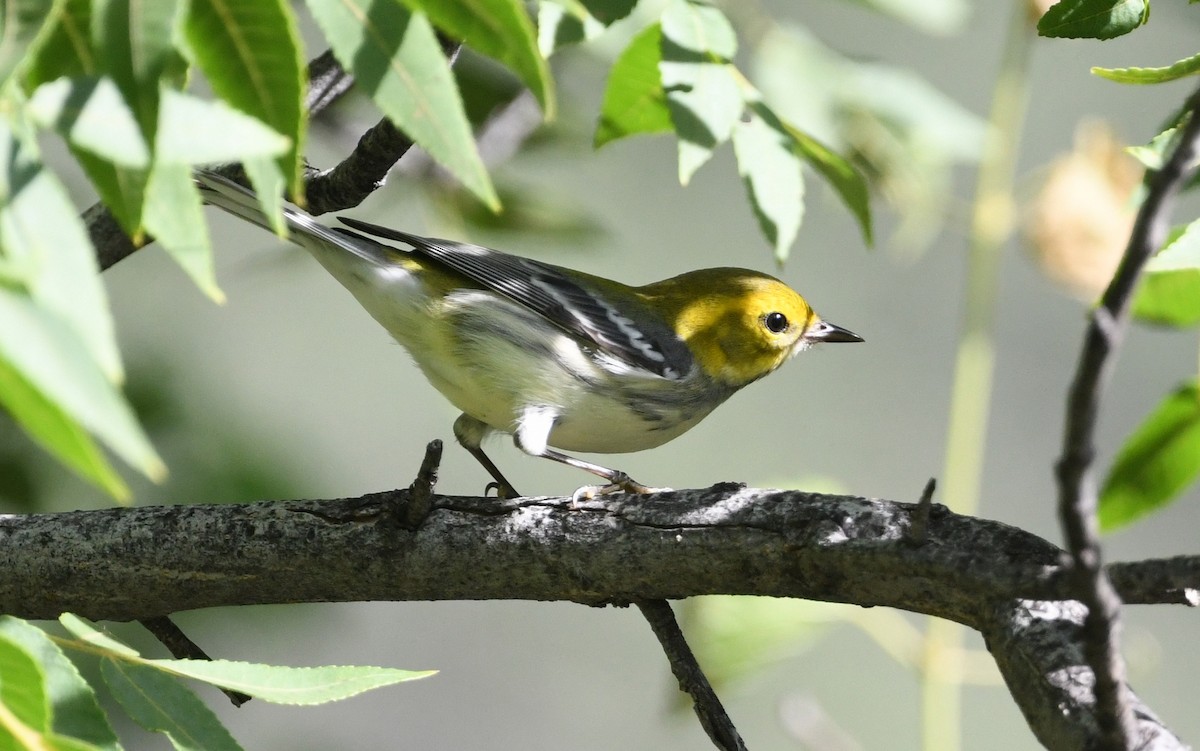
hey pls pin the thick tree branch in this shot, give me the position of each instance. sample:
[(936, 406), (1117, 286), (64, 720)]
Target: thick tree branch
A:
[(140, 563), (1076, 474)]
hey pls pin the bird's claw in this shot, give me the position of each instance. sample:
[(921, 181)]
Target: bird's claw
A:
[(621, 484), (504, 491)]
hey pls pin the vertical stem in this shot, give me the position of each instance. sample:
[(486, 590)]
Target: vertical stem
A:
[(991, 224)]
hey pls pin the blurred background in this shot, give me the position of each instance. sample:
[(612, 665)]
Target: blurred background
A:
[(291, 391)]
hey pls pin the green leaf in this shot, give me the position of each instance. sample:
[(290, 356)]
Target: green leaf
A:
[(174, 215), (704, 93), (770, 170), (196, 132), (1093, 19), (74, 710), (134, 43), (269, 186), (700, 28), (1188, 66), (500, 29), (1153, 155), (563, 23), (251, 54), (288, 685), (849, 184), (91, 115), (22, 689), (634, 100), (20, 23), (50, 356), (160, 703), (57, 433), (1157, 462), (86, 632), (41, 234), (395, 58), (66, 51), (1169, 292)]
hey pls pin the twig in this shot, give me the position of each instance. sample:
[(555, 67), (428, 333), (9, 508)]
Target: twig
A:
[(918, 529), (692, 680), (420, 493), (178, 644), (1076, 478), (360, 174)]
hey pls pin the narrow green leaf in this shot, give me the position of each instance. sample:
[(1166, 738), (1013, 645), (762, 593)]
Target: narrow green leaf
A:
[(41, 233), (23, 687), (634, 100), (288, 685), (1188, 66), (1169, 292), (21, 21), (849, 184), (174, 215), (160, 703), (704, 94), (396, 59), (564, 23), (252, 55), (91, 115), (1153, 154), (1157, 462), (57, 433), (74, 711), (500, 29), (66, 51), (195, 132), (770, 169), (705, 102), (269, 186), (86, 632), (1093, 19), (700, 28), (134, 43), (49, 355)]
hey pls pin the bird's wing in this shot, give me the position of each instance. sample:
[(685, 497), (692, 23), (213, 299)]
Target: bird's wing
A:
[(571, 305)]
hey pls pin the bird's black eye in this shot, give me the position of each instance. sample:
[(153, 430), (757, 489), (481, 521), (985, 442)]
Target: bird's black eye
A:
[(776, 322)]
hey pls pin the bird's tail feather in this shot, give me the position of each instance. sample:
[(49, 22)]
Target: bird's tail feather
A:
[(303, 229)]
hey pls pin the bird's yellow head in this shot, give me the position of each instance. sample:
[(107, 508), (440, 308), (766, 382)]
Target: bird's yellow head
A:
[(740, 324)]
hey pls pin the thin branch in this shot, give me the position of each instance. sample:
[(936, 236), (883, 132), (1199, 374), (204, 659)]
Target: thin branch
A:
[(692, 681), (1006, 583), (182, 648), (1076, 475)]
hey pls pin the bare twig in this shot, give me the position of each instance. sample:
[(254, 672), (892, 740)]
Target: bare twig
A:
[(1076, 477), (178, 644), (360, 174), (420, 498), (692, 681), (919, 529)]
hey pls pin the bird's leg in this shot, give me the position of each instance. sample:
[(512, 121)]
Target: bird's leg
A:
[(504, 488), (616, 481), (470, 434)]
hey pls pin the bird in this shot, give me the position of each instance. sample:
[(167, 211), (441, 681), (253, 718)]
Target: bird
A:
[(561, 360)]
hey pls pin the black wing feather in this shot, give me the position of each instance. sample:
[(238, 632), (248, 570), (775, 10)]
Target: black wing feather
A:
[(566, 303)]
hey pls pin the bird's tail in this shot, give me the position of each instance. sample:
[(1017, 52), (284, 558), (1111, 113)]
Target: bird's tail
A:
[(303, 229)]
